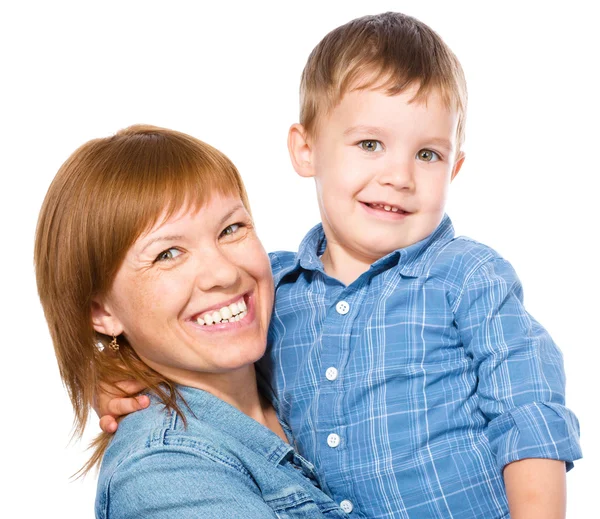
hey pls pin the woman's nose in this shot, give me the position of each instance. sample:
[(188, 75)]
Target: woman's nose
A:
[(216, 270)]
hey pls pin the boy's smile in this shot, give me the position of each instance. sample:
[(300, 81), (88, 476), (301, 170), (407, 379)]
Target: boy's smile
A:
[(382, 166)]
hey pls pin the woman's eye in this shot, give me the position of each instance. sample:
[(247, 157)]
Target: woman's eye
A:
[(231, 229), (428, 156), (370, 146), (168, 254)]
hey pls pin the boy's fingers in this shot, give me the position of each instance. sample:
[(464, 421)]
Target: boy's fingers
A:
[(122, 406), (108, 424), (130, 387), (143, 401)]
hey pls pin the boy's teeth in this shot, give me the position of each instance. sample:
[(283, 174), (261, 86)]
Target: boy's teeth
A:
[(227, 314), (386, 208)]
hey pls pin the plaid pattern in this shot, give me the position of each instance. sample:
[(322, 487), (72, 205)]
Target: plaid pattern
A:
[(442, 378)]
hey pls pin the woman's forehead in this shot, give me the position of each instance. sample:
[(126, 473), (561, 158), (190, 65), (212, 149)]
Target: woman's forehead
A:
[(215, 208)]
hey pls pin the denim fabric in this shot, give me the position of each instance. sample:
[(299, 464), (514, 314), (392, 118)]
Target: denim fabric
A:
[(223, 465), (412, 388)]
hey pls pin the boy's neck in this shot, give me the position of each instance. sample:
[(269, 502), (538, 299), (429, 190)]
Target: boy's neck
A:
[(343, 265)]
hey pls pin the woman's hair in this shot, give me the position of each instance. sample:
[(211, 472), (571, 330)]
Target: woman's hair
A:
[(108, 193)]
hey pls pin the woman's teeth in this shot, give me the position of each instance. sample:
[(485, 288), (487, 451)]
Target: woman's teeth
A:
[(227, 314)]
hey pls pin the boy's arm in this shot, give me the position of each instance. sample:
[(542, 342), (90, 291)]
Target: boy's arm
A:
[(536, 488), (521, 381), (111, 402)]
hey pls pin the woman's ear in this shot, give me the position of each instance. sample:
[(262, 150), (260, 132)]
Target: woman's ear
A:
[(103, 318), (300, 151)]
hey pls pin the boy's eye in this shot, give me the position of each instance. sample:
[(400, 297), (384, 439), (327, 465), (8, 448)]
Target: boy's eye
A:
[(231, 229), (370, 145), (168, 254), (428, 156)]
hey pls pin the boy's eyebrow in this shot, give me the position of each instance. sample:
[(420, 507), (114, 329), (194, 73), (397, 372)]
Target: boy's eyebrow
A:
[(376, 131), (444, 143), (373, 130)]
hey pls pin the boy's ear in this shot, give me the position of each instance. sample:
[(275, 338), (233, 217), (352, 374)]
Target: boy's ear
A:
[(300, 151), (104, 320), (457, 164)]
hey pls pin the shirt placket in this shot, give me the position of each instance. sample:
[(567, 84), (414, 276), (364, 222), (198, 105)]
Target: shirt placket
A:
[(343, 310)]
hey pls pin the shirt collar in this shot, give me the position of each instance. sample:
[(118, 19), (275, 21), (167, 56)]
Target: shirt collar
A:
[(411, 260)]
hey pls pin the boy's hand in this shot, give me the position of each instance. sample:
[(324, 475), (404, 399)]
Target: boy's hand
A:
[(111, 402)]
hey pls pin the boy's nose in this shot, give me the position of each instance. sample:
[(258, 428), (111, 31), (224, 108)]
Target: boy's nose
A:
[(398, 175)]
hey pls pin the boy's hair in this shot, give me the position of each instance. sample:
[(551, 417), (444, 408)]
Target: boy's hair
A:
[(389, 51), (108, 193)]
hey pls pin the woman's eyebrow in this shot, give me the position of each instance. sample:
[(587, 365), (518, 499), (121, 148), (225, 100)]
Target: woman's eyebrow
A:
[(176, 237), (234, 210), (168, 238)]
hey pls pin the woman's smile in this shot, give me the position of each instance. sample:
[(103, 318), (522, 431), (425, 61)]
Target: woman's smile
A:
[(223, 313), (194, 294)]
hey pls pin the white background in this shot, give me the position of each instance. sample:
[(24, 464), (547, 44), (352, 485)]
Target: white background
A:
[(228, 73)]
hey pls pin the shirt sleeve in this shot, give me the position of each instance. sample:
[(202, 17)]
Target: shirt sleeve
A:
[(521, 381), (182, 483)]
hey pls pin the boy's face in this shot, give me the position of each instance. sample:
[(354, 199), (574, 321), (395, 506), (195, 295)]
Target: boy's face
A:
[(382, 167)]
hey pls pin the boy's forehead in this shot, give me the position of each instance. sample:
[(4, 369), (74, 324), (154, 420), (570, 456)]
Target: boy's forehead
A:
[(376, 106)]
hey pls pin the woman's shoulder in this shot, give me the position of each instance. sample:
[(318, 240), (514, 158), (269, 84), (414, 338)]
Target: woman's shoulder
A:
[(220, 463), (154, 448), (158, 428)]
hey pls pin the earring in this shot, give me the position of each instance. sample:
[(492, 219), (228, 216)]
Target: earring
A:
[(114, 345)]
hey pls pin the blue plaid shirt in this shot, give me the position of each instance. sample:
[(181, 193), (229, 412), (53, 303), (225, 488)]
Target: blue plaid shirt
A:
[(412, 388)]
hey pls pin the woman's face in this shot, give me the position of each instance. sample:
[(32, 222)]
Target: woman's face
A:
[(194, 294)]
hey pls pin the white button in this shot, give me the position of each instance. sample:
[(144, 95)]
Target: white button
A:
[(331, 373), (342, 308), (333, 440), (347, 506)]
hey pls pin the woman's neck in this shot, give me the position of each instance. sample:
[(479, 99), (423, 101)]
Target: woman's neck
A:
[(240, 390)]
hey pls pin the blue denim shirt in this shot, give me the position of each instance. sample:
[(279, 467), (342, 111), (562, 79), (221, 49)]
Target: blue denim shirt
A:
[(223, 465), (411, 388)]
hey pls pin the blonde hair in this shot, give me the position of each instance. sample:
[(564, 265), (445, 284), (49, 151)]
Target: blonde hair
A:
[(389, 51), (107, 193)]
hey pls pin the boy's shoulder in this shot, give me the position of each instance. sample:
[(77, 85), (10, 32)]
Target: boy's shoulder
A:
[(282, 259), (282, 262), (456, 260), (309, 251), (467, 250)]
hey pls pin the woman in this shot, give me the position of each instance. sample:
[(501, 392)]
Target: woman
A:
[(148, 267)]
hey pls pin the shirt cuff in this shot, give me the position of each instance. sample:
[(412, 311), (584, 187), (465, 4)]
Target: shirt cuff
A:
[(536, 430)]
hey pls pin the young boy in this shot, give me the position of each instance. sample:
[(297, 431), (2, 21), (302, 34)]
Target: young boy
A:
[(400, 355)]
